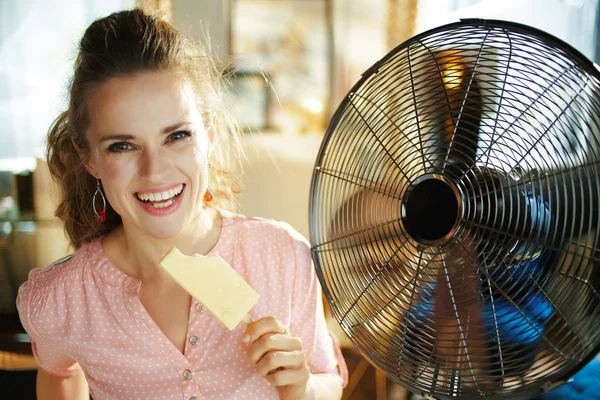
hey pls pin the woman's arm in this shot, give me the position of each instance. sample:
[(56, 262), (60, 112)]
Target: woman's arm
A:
[(52, 387), (324, 386)]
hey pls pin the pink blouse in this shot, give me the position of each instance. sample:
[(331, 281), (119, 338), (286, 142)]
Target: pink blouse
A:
[(85, 314)]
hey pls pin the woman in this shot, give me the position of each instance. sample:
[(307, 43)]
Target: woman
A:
[(143, 157)]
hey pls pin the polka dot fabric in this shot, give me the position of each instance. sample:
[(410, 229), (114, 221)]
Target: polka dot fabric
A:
[(85, 314)]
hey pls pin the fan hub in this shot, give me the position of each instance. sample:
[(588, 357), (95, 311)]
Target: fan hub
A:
[(432, 209)]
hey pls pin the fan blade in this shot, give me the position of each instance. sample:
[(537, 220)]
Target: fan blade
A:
[(463, 99), (461, 348), (566, 201)]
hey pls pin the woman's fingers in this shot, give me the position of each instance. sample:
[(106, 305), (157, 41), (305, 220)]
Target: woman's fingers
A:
[(274, 361), (278, 356), (263, 326), (270, 342), (287, 377)]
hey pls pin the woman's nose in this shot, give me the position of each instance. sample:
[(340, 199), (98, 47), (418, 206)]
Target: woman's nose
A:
[(152, 163)]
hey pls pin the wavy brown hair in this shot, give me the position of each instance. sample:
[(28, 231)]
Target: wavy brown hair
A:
[(121, 44)]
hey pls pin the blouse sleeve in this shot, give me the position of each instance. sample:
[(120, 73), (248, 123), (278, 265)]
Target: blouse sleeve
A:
[(308, 319), (33, 295)]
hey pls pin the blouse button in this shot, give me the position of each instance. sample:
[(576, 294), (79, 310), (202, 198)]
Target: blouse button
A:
[(194, 340), (187, 374), (199, 307), (193, 398)]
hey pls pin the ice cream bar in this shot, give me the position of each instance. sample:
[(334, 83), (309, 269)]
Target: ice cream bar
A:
[(211, 281)]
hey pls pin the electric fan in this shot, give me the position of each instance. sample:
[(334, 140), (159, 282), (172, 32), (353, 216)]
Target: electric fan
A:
[(454, 212)]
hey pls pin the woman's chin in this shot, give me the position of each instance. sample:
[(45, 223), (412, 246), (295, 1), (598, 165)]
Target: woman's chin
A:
[(160, 231), (162, 228)]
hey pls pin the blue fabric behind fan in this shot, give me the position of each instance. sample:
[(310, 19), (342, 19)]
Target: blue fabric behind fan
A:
[(520, 323)]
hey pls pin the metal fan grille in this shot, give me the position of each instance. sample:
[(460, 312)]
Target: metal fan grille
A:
[(454, 211)]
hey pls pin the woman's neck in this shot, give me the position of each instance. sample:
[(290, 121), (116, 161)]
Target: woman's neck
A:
[(138, 254)]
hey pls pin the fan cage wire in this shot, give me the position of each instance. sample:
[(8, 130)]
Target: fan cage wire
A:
[(381, 283)]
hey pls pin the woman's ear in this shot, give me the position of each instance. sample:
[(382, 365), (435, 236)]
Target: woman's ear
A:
[(85, 160)]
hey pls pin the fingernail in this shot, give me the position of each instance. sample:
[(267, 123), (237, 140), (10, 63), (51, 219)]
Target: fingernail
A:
[(245, 338)]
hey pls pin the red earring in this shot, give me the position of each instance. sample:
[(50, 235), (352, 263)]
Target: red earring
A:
[(208, 196), (99, 216)]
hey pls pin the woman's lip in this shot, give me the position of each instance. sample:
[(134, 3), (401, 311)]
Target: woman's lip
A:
[(161, 188)]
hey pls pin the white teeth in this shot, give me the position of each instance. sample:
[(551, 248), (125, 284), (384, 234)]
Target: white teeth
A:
[(167, 194), (163, 205)]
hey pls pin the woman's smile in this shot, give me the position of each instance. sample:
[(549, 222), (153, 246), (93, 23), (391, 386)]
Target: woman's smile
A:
[(161, 202)]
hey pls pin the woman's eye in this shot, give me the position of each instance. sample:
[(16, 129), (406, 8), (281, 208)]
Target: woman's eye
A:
[(119, 147), (179, 135)]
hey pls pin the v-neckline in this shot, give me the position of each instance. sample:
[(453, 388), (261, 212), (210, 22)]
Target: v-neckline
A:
[(132, 286)]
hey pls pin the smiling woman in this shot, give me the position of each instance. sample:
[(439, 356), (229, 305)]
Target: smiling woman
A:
[(146, 159)]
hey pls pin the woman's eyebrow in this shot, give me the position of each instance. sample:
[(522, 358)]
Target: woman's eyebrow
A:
[(116, 137), (178, 125)]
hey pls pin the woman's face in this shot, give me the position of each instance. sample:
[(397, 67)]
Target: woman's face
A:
[(149, 147)]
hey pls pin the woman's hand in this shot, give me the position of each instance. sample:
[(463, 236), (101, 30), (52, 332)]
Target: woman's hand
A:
[(279, 357)]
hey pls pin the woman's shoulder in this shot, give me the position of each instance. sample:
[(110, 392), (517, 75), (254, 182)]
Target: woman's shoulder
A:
[(65, 268), (52, 287), (59, 277)]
